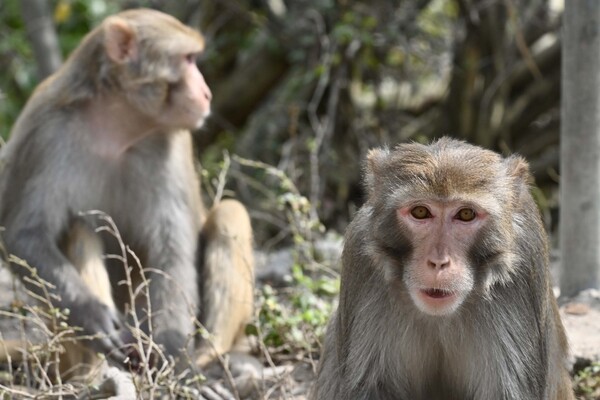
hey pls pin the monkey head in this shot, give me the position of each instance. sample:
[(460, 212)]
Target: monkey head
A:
[(157, 72), (443, 220)]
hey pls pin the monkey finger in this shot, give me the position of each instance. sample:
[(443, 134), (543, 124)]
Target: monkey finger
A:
[(108, 343), (117, 320), (110, 349), (114, 326), (223, 392), (208, 394), (216, 391), (113, 339), (120, 351)]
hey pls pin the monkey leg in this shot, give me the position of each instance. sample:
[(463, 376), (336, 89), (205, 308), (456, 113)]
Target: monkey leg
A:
[(84, 250), (227, 278), (11, 350)]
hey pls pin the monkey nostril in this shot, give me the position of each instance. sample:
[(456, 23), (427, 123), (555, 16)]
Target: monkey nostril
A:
[(435, 264)]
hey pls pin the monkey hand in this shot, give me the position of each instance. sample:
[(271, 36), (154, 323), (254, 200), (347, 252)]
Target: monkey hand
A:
[(215, 391), (135, 361), (103, 327), (212, 391)]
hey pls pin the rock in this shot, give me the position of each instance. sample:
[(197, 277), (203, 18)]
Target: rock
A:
[(275, 268), (581, 318)]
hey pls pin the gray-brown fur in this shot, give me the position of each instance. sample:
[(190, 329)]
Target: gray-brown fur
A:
[(62, 159), (505, 342)]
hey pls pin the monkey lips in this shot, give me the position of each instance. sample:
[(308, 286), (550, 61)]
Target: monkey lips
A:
[(435, 301), (437, 293)]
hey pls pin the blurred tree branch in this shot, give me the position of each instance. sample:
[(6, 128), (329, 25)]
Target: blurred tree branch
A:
[(42, 35)]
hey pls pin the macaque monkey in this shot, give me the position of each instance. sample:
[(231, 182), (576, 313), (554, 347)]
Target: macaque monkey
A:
[(445, 288), (110, 131)]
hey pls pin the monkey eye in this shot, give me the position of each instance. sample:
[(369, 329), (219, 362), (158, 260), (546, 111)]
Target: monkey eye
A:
[(190, 58), (420, 212), (466, 214)]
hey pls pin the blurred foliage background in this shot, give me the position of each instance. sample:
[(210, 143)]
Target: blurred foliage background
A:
[(303, 88), (308, 86)]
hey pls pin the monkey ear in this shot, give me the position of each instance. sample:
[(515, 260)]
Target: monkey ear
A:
[(376, 161), (518, 169), (119, 40)]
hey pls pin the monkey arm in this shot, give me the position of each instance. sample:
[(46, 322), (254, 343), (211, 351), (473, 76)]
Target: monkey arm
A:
[(174, 299), (346, 364), (173, 287), (36, 246), (168, 240)]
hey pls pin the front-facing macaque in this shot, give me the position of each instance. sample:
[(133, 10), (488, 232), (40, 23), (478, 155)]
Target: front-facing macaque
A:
[(110, 131), (445, 287)]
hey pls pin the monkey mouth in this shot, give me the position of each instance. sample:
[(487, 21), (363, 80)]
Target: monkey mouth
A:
[(437, 293), (437, 302)]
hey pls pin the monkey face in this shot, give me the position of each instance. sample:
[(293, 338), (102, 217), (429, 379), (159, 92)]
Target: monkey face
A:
[(439, 275), (188, 101), (158, 71), (444, 220)]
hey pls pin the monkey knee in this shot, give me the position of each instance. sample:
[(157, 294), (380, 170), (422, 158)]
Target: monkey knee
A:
[(228, 236), (229, 218)]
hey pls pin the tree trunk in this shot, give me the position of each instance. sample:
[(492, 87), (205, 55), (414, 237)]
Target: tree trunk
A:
[(42, 35), (580, 148)]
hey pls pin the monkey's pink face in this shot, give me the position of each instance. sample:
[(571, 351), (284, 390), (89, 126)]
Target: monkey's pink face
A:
[(189, 103), (439, 276)]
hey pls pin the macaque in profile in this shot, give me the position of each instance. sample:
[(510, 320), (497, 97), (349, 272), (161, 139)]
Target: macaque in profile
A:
[(445, 287), (110, 131)]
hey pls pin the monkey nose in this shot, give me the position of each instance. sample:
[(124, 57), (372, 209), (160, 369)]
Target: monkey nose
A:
[(441, 263), (208, 94)]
